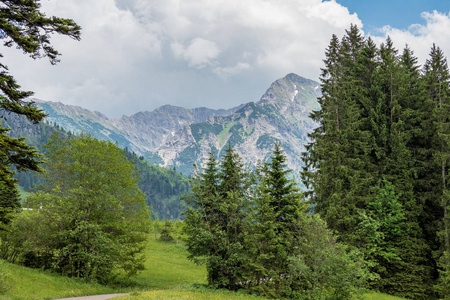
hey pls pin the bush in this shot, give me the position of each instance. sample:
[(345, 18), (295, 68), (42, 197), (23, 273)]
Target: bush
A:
[(324, 268)]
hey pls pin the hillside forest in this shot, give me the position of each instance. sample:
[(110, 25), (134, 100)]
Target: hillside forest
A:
[(373, 215)]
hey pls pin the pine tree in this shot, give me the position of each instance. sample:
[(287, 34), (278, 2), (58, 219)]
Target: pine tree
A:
[(24, 26), (337, 167), (277, 212), (216, 220), (9, 202), (437, 152), (368, 130)]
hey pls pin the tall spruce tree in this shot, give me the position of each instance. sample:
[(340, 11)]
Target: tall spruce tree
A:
[(437, 113), (216, 220), (376, 136), (333, 163), (276, 226)]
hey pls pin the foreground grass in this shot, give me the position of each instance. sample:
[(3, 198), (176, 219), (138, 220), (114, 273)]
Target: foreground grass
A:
[(218, 295), (379, 296), (168, 275), (34, 284), (188, 295)]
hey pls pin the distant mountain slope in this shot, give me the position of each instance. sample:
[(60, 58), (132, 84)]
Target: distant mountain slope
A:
[(172, 136), (162, 187), (282, 114), (141, 132)]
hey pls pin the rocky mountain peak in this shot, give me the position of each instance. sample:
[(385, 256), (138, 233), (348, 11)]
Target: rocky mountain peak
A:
[(291, 90), (173, 136)]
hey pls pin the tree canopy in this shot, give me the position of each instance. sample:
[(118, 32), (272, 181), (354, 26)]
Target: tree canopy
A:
[(25, 26), (378, 161), (92, 215)]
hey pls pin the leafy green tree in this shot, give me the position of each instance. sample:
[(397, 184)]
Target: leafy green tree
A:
[(324, 268), (167, 231), (381, 230), (93, 209)]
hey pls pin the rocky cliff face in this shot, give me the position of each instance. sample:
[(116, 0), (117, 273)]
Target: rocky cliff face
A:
[(177, 137), (281, 115), (141, 132)]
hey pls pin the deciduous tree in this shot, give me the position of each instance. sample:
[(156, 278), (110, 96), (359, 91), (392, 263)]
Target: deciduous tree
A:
[(91, 199)]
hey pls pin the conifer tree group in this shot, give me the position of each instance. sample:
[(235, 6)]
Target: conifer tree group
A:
[(377, 166), (253, 232)]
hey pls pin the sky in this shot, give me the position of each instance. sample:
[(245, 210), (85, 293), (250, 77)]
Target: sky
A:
[(137, 55)]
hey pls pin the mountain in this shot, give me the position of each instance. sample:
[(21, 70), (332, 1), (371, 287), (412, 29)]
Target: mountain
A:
[(162, 187), (142, 132), (176, 137), (281, 115)]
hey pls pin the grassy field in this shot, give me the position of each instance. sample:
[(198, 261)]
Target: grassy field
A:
[(168, 275), (167, 267), (33, 284)]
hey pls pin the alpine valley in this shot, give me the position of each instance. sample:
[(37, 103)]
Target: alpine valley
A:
[(177, 138)]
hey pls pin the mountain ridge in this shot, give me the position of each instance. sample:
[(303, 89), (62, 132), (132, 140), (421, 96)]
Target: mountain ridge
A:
[(177, 137)]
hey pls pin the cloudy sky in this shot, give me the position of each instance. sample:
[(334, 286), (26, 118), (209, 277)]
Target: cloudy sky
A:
[(137, 55)]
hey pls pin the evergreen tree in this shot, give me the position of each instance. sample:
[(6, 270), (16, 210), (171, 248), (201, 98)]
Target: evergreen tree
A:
[(216, 220), (369, 129), (9, 203), (24, 26), (336, 168), (382, 231), (437, 153), (277, 212), (397, 165)]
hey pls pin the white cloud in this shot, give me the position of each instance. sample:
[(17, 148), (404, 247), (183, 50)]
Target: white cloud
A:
[(198, 54), (419, 37), (230, 71), (218, 53)]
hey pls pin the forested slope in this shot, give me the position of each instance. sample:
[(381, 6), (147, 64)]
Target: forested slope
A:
[(162, 187)]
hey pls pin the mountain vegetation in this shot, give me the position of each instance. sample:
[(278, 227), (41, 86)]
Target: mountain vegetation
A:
[(163, 187), (377, 165)]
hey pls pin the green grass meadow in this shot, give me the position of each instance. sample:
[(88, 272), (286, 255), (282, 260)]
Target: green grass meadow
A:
[(168, 275), (25, 283)]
